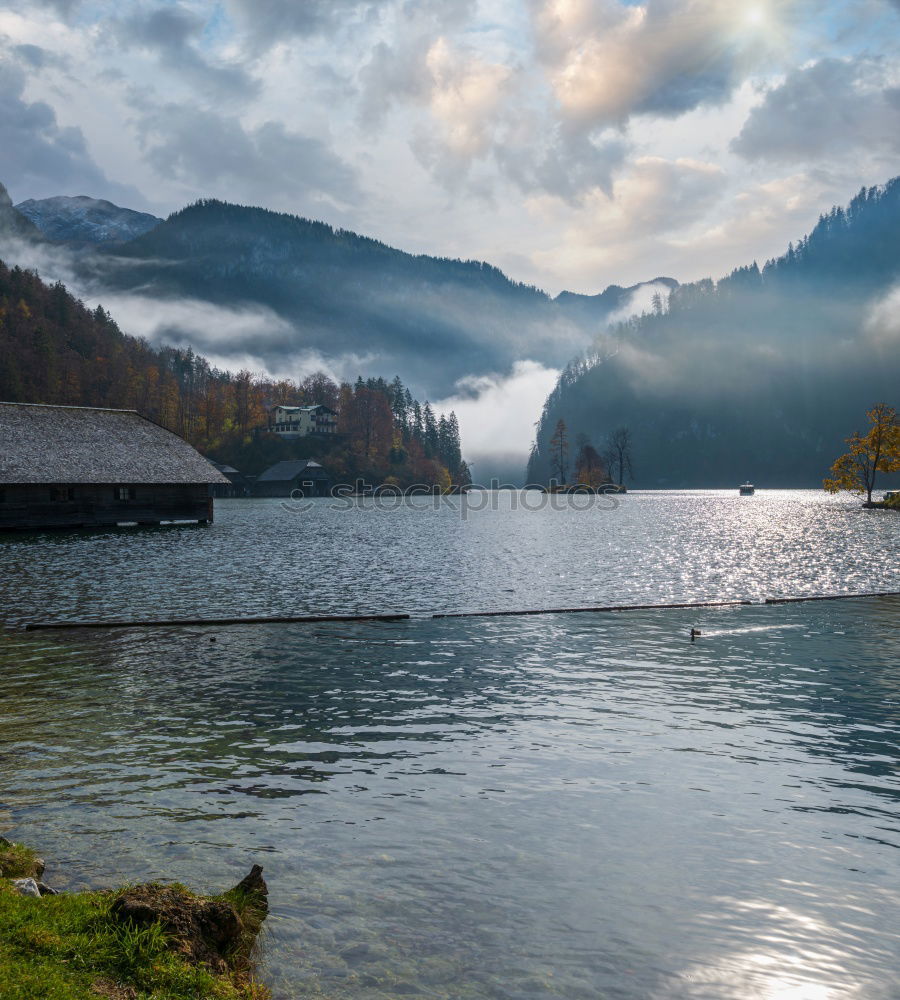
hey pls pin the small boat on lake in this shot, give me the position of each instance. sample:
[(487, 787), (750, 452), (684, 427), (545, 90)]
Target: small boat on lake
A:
[(746, 489)]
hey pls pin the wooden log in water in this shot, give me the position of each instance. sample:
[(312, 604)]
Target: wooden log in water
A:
[(180, 622), (831, 597), (313, 619), (570, 611)]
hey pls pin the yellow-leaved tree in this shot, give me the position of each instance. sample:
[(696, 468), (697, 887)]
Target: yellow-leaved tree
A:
[(869, 454)]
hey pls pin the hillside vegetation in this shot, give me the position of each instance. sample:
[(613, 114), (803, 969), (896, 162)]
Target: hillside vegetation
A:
[(55, 350), (758, 375)]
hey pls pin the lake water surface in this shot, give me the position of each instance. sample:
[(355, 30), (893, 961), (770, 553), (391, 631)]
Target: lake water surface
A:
[(573, 806)]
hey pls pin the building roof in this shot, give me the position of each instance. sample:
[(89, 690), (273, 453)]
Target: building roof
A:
[(284, 472), (82, 444), (305, 409)]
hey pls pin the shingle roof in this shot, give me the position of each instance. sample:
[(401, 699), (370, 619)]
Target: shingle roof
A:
[(305, 409), (283, 472), (80, 444)]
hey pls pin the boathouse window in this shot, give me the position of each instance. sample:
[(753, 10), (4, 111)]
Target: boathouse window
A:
[(61, 494), (125, 493)]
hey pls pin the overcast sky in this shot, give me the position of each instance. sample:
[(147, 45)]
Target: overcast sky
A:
[(572, 143)]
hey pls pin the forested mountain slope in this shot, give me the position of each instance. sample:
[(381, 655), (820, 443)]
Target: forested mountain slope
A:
[(434, 318), (55, 350), (760, 375)]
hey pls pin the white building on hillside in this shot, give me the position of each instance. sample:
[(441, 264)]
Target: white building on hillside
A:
[(300, 421)]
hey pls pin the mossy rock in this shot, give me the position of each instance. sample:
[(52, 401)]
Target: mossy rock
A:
[(145, 942), (19, 861)]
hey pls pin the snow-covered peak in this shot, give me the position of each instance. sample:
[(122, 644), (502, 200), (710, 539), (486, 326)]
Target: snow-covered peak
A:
[(86, 220)]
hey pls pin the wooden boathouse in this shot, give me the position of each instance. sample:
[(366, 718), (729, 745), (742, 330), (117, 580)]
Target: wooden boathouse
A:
[(288, 478), (78, 466)]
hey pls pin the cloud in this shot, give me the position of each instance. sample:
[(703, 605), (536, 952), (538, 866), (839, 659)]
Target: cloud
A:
[(170, 32), (653, 200), (496, 417), (833, 108), (201, 148), (398, 67), (231, 338), (607, 61), (37, 57), (571, 166), (64, 8), (40, 157), (465, 97), (480, 111), (640, 301), (882, 324), (269, 22)]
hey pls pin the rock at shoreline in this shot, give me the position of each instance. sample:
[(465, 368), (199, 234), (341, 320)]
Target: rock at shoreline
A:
[(215, 932), (253, 887), (26, 887)]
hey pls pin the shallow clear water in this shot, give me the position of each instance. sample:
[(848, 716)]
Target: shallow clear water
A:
[(559, 806)]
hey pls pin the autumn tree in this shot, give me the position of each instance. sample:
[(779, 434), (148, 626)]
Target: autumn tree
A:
[(589, 466), (319, 388), (369, 422), (869, 454), (559, 452)]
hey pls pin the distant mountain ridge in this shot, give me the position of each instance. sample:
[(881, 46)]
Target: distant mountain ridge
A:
[(335, 293), (436, 318), (81, 220), (760, 375)]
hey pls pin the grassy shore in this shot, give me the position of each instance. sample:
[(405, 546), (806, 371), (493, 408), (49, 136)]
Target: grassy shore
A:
[(84, 945)]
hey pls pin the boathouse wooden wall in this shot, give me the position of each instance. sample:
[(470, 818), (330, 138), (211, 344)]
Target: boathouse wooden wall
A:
[(26, 506)]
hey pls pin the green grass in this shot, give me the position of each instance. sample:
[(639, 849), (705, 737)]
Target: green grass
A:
[(69, 947), (18, 861)]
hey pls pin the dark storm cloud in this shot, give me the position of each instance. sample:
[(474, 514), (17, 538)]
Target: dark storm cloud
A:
[(832, 108), (185, 143), (39, 157), (171, 32)]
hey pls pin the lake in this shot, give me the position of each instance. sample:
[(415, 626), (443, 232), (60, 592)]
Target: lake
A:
[(583, 805)]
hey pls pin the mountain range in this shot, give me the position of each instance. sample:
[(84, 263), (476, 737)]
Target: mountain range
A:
[(304, 290), (760, 374)]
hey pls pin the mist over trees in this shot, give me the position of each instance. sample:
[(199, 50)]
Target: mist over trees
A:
[(335, 292), (53, 349), (755, 376)]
